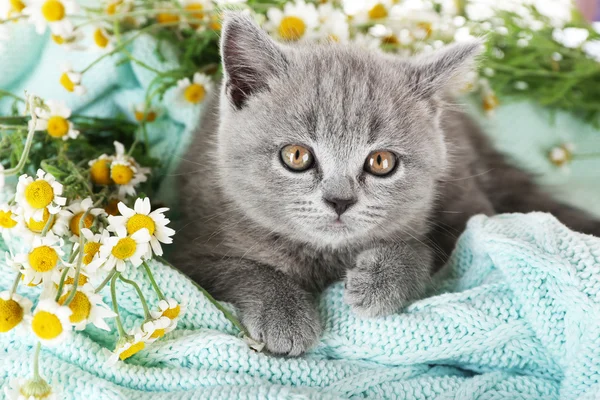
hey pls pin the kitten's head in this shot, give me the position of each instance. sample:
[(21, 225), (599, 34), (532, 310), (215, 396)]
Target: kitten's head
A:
[(331, 144)]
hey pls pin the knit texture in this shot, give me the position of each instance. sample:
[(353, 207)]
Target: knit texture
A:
[(514, 315)]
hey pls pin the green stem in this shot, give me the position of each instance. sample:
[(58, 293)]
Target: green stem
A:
[(15, 284), (80, 255), (113, 294), (48, 224), (61, 284), (36, 363), (140, 295), (105, 281), (14, 96), (218, 305), (73, 255), (160, 295), (28, 143)]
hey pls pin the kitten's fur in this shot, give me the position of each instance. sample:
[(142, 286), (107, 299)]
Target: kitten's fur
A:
[(261, 236)]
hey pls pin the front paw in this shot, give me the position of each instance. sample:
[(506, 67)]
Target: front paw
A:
[(287, 325), (380, 284)]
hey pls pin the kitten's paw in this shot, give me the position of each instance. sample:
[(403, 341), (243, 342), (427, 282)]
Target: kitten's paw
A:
[(375, 288), (288, 326)]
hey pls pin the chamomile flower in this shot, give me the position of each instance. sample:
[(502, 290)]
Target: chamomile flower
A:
[(119, 249), (125, 172), (71, 80), (170, 308), (333, 24), (78, 209), (297, 21), (71, 42), (196, 12), (87, 307), (30, 228), (100, 170), (194, 91), (13, 311), (44, 257), (570, 37), (56, 121), (35, 196), (128, 346), (18, 389), (50, 322), (9, 218), (103, 41), (373, 10), (91, 249), (157, 328), (11, 8), (52, 13), (142, 217), (145, 114)]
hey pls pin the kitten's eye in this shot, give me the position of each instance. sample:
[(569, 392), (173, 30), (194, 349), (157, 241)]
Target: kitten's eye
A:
[(297, 158), (380, 163)]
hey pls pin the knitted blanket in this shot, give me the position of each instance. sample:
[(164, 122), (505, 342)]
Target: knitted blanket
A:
[(515, 314)]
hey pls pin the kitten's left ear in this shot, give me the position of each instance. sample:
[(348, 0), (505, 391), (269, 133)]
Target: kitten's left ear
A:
[(442, 71)]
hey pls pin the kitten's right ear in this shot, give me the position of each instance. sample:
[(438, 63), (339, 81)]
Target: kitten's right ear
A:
[(250, 57)]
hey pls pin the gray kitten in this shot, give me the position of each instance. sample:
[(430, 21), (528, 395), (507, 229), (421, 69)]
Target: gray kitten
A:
[(327, 162)]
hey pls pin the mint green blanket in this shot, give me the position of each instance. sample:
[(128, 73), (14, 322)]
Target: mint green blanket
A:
[(514, 315)]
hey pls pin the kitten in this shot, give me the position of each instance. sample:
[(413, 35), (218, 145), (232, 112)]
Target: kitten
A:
[(327, 162)]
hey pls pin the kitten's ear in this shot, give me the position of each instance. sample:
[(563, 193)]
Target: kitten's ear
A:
[(250, 57), (445, 69)]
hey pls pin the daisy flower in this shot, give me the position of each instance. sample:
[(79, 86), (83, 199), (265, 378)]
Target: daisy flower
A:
[(78, 209), (35, 196), (59, 226), (56, 121), (87, 308), (11, 8), (43, 258), (91, 249), (167, 17), (17, 389), (119, 249), (9, 218), (125, 172), (157, 328), (13, 311), (143, 114), (195, 91), (128, 346), (50, 322), (52, 13), (170, 308), (71, 80), (142, 217), (100, 170), (373, 10), (297, 21), (102, 39), (333, 24), (71, 42)]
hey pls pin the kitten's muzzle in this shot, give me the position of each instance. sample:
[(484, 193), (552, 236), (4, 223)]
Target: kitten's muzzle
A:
[(339, 205)]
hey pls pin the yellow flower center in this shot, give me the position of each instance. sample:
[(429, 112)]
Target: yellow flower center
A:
[(39, 194), (38, 226), (74, 224), (121, 174), (172, 313), (149, 116), (140, 221), (46, 325), (194, 93), (6, 220), (158, 334), (427, 27), (112, 207), (17, 5), (58, 39), (378, 11), (58, 127), (111, 9), (291, 28), (53, 10), (100, 172), (124, 248), (82, 278), (215, 23), (165, 18), (11, 313), (80, 306), (135, 348), (100, 38), (67, 82), (195, 10), (43, 258), (90, 250)]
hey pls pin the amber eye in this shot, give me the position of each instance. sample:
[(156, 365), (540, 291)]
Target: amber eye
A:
[(380, 163), (297, 158)]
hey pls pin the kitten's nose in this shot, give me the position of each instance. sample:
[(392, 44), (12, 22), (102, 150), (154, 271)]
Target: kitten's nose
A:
[(339, 205)]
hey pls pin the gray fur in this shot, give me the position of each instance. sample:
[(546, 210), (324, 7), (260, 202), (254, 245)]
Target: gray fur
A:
[(261, 236)]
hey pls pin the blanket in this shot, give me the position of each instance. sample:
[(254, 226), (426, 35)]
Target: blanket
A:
[(515, 314)]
